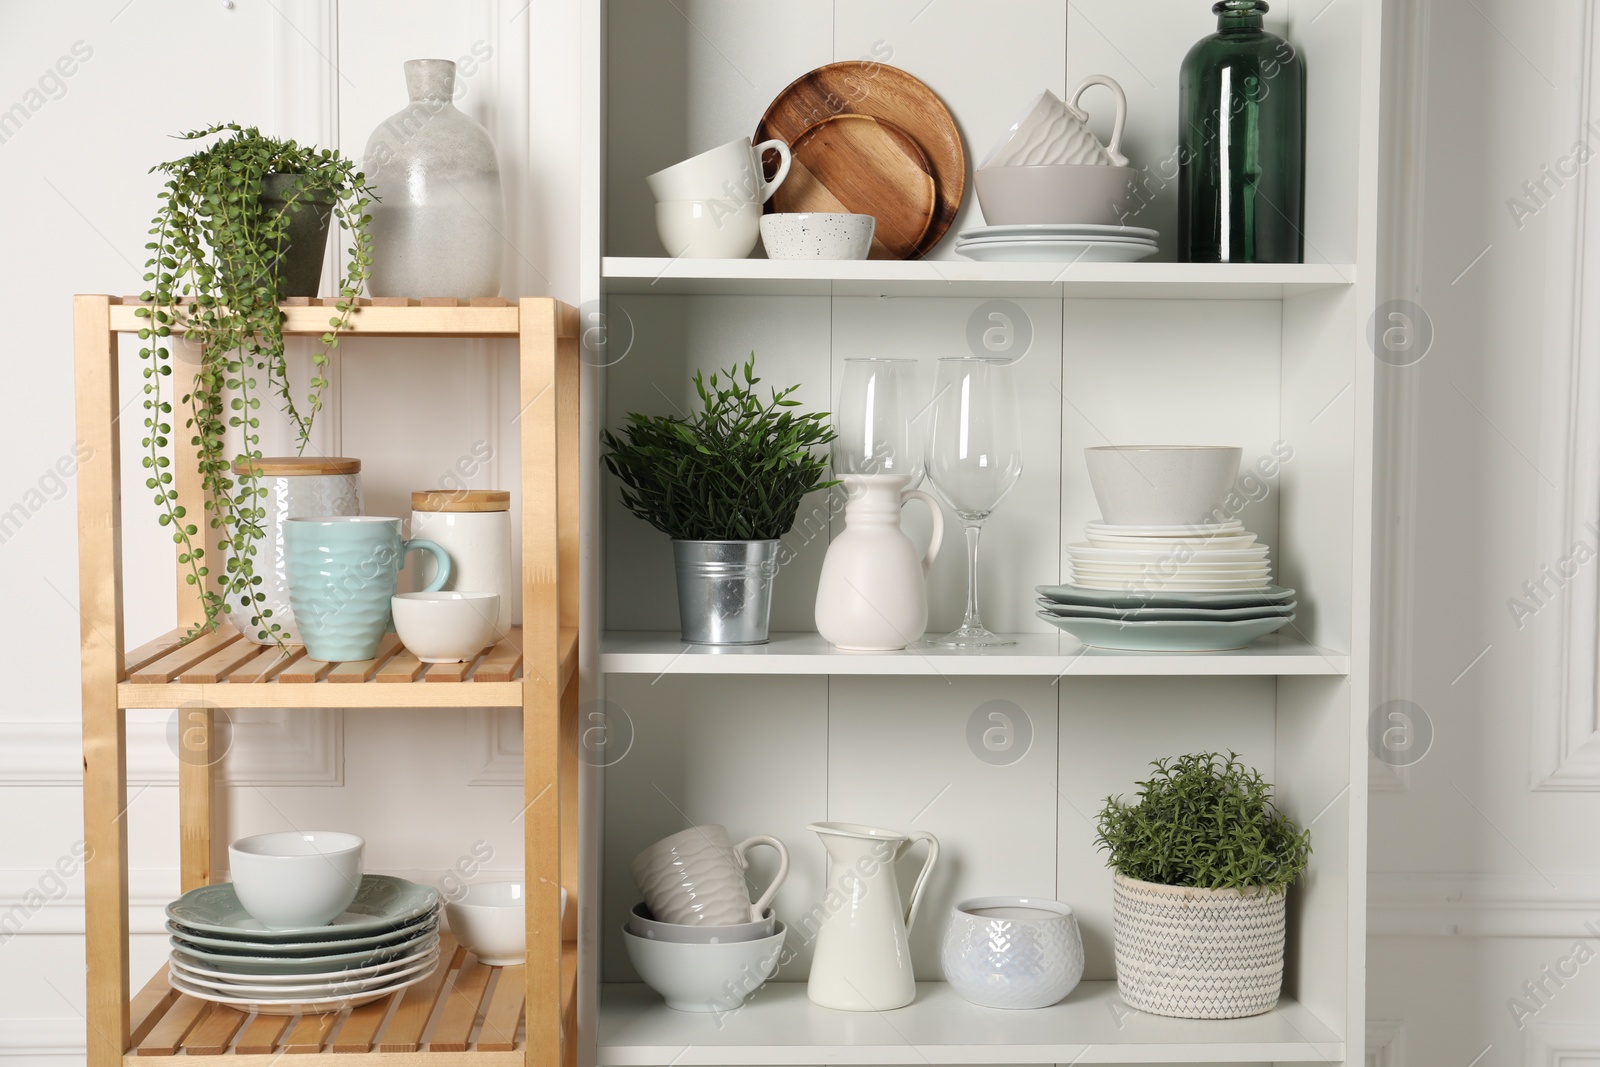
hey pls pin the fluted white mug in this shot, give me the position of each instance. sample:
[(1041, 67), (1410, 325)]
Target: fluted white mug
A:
[(696, 877)]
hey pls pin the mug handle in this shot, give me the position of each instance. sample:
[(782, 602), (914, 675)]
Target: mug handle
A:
[(1114, 149), (938, 524), (440, 556), (922, 878), (783, 869), (784, 159)]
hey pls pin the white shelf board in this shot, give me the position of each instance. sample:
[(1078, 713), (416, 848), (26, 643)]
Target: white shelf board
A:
[(1046, 655), (960, 277), (779, 1025)]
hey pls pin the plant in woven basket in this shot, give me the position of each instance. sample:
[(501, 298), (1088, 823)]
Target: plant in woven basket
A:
[(219, 257), (1206, 821), (734, 471)]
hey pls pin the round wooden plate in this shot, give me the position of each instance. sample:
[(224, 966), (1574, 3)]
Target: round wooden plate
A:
[(860, 87), (865, 166)]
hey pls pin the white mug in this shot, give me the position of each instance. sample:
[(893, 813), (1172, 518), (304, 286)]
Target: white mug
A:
[(727, 172), (696, 877), (708, 229)]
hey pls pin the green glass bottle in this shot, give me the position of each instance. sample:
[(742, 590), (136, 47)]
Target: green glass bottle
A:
[(1241, 144)]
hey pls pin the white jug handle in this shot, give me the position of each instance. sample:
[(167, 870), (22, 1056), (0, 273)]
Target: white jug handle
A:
[(783, 869), (938, 524), (784, 159), (1114, 149), (922, 878)]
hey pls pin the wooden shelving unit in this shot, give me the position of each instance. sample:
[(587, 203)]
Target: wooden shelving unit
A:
[(466, 1013)]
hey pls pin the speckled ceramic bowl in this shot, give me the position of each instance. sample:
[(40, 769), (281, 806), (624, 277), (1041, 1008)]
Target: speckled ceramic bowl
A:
[(817, 235)]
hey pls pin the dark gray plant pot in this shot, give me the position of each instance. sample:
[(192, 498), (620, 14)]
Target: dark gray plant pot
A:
[(299, 268)]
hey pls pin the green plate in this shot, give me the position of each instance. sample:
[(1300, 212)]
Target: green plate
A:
[(305, 948), (1175, 636), (1142, 614), (236, 963), (1117, 598), (382, 904)]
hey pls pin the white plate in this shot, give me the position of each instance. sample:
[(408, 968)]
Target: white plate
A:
[(1162, 614), (335, 986), (1205, 585), (1193, 529), (1181, 554), (1044, 238), (1170, 569), (1077, 594), (1064, 252), (178, 960), (310, 1006), (1166, 544), (1057, 229)]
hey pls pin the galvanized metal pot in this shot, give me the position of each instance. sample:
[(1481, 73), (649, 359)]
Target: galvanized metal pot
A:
[(725, 590)]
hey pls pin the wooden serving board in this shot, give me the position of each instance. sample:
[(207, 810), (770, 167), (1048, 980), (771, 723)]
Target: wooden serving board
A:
[(889, 94), (864, 166)]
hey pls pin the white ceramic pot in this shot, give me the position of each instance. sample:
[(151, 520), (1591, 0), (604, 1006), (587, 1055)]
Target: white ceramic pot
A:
[(1162, 485), (443, 627), (298, 878), (696, 877), (491, 919), (1067, 193), (817, 235), (729, 171), (705, 978), (642, 924), (872, 595), (296, 487), (473, 526), (1012, 952), (708, 229)]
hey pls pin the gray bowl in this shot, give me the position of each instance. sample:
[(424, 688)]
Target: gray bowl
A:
[(641, 924)]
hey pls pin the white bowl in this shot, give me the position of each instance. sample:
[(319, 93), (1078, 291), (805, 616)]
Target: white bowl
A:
[(642, 924), (817, 235), (708, 229), (1012, 952), (445, 627), (1161, 485), (704, 978), (296, 878), (1058, 193), (491, 920)]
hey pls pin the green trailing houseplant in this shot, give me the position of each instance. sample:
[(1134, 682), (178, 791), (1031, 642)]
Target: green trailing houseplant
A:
[(1207, 821), (736, 470), (218, 255)]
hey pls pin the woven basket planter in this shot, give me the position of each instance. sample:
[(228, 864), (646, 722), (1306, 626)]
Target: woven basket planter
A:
[(1197, 953)]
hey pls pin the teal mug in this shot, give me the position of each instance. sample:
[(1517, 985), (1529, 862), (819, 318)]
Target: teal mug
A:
[(343, 569)]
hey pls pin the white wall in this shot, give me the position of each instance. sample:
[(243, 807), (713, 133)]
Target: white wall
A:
[(420, 788)]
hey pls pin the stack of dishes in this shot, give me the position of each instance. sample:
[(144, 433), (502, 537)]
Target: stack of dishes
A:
[(1044, 242), (1189, 588), (386, 940)]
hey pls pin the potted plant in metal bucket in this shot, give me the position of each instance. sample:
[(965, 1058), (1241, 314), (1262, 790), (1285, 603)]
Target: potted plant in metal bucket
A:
[(725, 484), (1203, 862)]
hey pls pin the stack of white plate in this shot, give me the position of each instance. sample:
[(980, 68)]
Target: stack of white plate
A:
[(1047, 242), (1193, 588), (387, 940)]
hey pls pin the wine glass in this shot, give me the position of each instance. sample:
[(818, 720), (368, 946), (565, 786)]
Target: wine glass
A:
[(974, 460), (874, 420)]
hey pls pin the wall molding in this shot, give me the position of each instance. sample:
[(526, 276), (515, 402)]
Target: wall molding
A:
[(1386, 1043), (1471, 905), (1560, 1044), (502, 749), (1566, 718), (33, 1038)]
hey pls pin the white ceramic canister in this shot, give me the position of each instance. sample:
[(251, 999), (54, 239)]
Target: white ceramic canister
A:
[(297, 487), (473, 526)]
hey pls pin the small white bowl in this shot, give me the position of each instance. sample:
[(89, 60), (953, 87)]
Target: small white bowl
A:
[(298, 878), (642, 924), (705, 978), (491, 920), (817, 235), (1012, 952), (708, 229), (1162, 485), (445, 627), (1061, 193)]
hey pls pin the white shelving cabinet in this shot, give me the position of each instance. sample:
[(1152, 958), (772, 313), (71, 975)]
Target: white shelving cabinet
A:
[(765, 740)]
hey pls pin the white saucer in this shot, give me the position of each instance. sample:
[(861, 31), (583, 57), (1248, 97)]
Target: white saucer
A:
[(1057, 251), (1056, 229)]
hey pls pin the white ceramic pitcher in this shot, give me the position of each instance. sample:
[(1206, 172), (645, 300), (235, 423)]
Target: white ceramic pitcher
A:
[(872, 596), (862, 960)]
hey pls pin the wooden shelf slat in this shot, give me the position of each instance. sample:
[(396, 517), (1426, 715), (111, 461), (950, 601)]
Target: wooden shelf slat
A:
[(499, 1030), (166, 1037), (260, 1038), (455, 672), (216, 667), (309, 1033), (304, 671), (211, 1035), (414, 319), (149, 1004), (151, 651), (265, 665), (404, 1032), (463, 996), (359, 1030), (363, 670), (402, 667), (179, 659), (500, 664)]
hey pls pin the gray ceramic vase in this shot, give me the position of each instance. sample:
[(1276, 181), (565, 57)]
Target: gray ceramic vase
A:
[(436, 227)]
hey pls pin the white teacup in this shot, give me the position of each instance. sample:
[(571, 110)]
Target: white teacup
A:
[(696, 877), (297, 878), (708, 229), (727, 172)]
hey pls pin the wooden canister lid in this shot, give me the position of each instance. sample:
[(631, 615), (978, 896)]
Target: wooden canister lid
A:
[(271, 466), (461, 500)]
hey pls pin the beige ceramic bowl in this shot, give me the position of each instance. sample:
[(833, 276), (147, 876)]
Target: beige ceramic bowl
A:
[(1066, 193)]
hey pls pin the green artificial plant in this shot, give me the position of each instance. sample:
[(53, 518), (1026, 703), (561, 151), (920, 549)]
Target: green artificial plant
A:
[(214, 266), (1206, 821), (734, 471)]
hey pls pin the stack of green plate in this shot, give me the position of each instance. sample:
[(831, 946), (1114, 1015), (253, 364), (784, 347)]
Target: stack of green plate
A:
[(1166, 621), (386, 940)]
